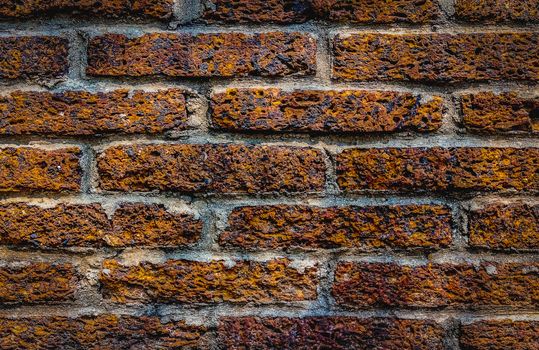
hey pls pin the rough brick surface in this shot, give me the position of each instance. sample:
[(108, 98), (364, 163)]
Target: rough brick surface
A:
[(337, 333), (438, 169), (99, 332), (505, 226), (204, 168), (486, 112), (292, 226), (324, 111), (87, 225), (42, 57), (109, 8), (202, 55), (37, 283), (182, 281), (85, 113), (33, 169), (491, 11), (500, 335), (363, 285), (256, 11), (437, 58)]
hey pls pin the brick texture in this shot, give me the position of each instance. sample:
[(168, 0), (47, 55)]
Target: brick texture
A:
[(499, 335), (256, 11), (492, 11)]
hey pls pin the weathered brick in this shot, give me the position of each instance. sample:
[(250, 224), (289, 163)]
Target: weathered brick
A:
[(37, 283), (256, 11), (33, 169), (377, 11), (33, 57), (500, 335), (217, 168), (505, 226), (109, 8), (363, 285), (324, 111), (99, 332), (186, 281), (87, 225), (492, 11), (337, 333), (85, 113), (437, 58), (202, 55), (299, 226), (438, 169), (486, 112)]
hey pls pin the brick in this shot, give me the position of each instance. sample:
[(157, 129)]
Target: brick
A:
[(87, 225), (37, 283), (103, 331), (324, 111), (85, 113), (377, 11), (500, 335), (299, 226), (42, 57), (256, 11), (505, 226), (438, 169), (486, 112), (492, 11), (33, 169), (339, 333), (183, 281), (206, 168), (437, 58), (202, 55), (364, 285)]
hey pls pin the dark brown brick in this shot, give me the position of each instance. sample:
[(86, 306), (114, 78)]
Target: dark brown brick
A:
[(41, 57), (37, 283), (486, 112), (99, 332), (256, 11), (299, 226), (202, 55), (33, 169), (338, 333), (377, 11), (437, 58), (438, 169), (492, 11), (85, 113), (324, 111), (363, 285), (505, 226), (217, 168), (500, 335), (185, 281)]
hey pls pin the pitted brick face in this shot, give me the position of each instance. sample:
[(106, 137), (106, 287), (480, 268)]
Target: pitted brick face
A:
[(256, 11), (497, 11), (500, 335)]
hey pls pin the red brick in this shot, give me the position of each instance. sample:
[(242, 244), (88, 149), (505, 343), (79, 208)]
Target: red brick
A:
[(256, 11), (505, 226), (438, 169), (37, 283), (41, 57), (183, 281), (486, 112), (298, 226), (339, 333), (500, 335), (33, 169), (85, 113), (202, 55), (99, 332), (492, 11), (324, 111), (206, 168), (437, 58), (364, 285)]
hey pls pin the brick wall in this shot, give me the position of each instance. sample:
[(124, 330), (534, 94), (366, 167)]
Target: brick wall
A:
[(269, 174)]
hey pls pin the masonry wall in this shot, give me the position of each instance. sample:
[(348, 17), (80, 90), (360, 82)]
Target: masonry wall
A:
[(269, 174)]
